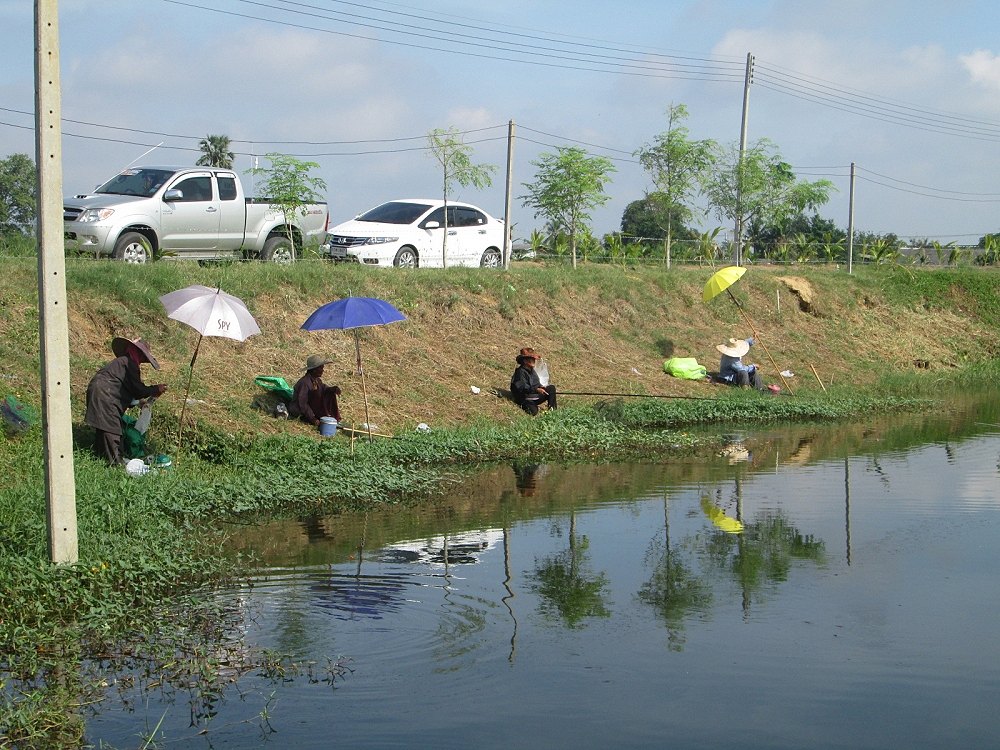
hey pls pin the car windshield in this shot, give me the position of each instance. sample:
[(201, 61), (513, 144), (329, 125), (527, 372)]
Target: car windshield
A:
[(395, 212), (135, 182)]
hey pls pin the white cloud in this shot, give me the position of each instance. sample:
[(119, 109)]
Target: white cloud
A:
[(983, 67)]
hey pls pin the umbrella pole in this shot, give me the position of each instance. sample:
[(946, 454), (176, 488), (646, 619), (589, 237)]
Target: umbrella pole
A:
[(364, 388), (756, 336), (187, 390)]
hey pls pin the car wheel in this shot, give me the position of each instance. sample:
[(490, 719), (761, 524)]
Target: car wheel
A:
[(406, 258), (278, 250), (490, 259), (133, 247)]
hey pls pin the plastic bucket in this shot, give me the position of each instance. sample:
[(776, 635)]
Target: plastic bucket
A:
[(327, 426)]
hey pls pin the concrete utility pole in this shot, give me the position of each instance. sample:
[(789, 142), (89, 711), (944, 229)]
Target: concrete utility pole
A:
[(508, 224), (850, 227), (738, 235), (60, 484)]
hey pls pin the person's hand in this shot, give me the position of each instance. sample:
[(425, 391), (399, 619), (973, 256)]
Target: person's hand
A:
[(336, 390), (542, 390), (161, 388), (315, 423)]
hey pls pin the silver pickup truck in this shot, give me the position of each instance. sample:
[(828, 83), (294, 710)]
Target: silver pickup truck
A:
[(186, 212)]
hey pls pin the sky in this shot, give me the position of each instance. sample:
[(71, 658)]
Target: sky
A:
[(907, 91)]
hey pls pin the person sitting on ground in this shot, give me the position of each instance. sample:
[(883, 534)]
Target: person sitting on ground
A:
[(526, 387), (312, 399), (114, 388), (731, 367)]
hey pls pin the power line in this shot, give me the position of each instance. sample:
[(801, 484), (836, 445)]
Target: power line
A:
[(619, 67)]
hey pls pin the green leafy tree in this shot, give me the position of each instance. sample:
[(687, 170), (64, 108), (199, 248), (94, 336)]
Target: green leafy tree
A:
[(455, 158), (289, 186), (678, 167), (18, 180), (215, 152), (991, 251), (761, 189), (765, 237), (642, 219), (568, 185)]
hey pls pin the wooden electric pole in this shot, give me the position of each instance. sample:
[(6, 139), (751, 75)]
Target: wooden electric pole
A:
[(53, 325)]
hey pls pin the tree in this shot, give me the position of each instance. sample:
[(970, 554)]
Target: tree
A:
[(454, 156), (760, 189), (289, 186), (678, 167), (568, 185), (642, 219), (215, 152), (18, 180), (764, 238)]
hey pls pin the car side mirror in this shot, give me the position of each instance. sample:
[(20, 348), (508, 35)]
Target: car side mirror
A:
[(173, 194), (432, 224)]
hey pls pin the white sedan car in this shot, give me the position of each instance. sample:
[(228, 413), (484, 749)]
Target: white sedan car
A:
[(410, 233)]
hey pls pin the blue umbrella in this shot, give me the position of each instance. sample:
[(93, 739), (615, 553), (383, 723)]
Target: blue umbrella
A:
[(352, 313)]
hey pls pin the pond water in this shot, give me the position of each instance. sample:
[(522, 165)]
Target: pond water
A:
[(811, 587)]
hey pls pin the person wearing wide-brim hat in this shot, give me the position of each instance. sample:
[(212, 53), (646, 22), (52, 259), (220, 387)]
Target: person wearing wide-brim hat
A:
[(313, 399), (526, 387), (117, 386), (731, 367)]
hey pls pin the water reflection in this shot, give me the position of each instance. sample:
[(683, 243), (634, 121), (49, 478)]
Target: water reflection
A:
[(567, 587), (542, 591), (674, 590)]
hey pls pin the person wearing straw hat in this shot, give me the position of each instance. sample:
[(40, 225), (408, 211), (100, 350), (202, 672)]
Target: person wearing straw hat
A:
[(526, 387), (312, 399), (117, 386), (731, 367)]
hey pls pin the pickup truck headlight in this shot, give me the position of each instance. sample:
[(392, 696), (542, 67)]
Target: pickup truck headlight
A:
[(380, 240), (95, 214)]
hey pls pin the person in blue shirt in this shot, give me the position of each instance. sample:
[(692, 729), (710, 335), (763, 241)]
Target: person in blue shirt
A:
[(731, 367)]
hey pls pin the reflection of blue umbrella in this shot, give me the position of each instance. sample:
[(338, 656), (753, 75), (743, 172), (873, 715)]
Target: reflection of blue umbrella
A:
[(352, 313)]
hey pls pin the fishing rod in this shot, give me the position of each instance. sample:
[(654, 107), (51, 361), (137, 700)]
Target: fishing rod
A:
[(633, 395)]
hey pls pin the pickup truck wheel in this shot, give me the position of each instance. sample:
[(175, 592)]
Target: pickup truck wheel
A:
[(133, 247), (406, 257), (491, 259), (278, 250)]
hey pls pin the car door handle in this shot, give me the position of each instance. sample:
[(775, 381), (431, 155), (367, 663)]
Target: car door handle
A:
[(482, 231), (452, 231), (211, 210)]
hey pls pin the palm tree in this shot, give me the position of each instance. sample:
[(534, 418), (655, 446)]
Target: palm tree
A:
[(215, 152)]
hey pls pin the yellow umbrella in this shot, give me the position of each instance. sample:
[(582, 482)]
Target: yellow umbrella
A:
[(721, 280), (719, 518)]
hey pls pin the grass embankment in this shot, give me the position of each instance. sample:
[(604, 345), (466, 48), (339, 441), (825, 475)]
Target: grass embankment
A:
[(147, 541)]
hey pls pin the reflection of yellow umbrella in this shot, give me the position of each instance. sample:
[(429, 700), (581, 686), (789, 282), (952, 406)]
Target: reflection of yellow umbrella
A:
[(719, 518), (721, 280)]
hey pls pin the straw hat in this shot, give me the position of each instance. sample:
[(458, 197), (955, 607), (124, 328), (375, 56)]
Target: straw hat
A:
[(734, 348), (527, 353), (119, 346), (315, 360)]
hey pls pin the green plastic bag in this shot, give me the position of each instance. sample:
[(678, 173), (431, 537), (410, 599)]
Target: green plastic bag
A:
[(685, 367), (275, 385)]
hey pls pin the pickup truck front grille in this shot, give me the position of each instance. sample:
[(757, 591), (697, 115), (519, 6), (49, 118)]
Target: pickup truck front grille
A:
[(71, 214)]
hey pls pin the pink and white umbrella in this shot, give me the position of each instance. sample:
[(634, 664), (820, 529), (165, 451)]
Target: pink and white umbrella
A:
[(211, 312)]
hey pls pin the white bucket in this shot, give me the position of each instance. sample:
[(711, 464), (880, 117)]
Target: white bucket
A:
[(327, 426)]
